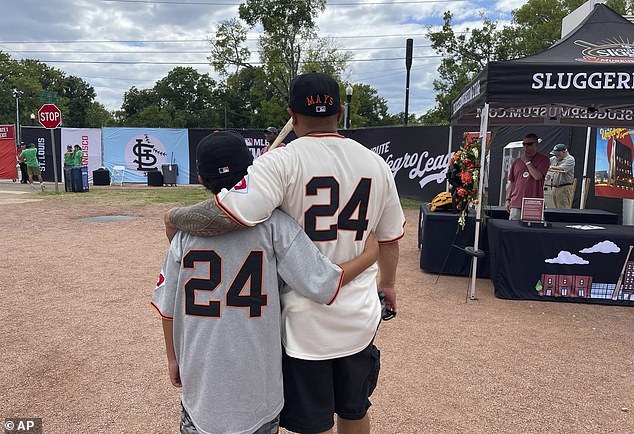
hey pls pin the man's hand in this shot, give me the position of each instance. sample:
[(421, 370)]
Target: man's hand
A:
[(388, 262), (170, 229)]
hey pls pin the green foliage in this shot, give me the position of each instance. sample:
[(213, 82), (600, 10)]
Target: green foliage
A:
[(76, 98), (183, 99)]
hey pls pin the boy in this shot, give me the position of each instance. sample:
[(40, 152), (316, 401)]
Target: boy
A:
[(220, 304)]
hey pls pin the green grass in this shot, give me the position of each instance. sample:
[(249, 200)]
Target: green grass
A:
[(144, 196), (131, 196)]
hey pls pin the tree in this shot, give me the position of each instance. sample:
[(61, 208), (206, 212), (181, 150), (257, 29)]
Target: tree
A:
[(464, 55), (288, 46), (76, 98), (182, 99)]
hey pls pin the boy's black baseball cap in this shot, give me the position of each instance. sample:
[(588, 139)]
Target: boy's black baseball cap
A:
[(314, 94), (221, 154)]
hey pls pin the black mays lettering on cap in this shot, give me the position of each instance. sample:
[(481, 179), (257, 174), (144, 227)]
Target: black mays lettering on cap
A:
[(221, 154), (314, 94)]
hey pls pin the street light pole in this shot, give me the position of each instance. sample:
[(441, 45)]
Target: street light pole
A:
[(17, 94), (32, 119), (347, 112)]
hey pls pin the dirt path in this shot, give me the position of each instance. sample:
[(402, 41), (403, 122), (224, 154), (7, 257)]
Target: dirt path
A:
[(82, 348)]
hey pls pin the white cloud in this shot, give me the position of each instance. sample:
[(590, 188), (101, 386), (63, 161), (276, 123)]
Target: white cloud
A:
[(602, 247), (567, 258)]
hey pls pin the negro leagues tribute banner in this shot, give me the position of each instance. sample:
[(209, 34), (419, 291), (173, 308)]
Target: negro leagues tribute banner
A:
[(89, 140), (417, 156), (142, 150)]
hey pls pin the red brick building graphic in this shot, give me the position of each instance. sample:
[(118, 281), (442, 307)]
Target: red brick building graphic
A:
[(565, 285)]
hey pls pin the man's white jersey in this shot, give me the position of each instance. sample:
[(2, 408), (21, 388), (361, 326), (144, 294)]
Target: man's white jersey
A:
[(338, 191)]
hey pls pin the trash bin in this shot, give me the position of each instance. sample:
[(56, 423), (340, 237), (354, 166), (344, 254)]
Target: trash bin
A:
[(78, 179), (68, 186), (155, 178), (101, 176), (170, 172)]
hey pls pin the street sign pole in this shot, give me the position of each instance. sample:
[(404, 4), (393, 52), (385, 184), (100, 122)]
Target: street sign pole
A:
[(50, 117), (54, 161)]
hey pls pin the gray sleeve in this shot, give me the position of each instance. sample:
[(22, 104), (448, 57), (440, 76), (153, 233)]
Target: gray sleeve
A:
[(164, 296), (300, 263)]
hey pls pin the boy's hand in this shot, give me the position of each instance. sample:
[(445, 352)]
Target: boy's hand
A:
[(371, 248), (175, 376)]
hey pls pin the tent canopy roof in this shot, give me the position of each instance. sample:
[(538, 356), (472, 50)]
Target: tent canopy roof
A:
[(586, 78)]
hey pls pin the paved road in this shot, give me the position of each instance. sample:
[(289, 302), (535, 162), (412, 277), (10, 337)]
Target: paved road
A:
[(14, 192)]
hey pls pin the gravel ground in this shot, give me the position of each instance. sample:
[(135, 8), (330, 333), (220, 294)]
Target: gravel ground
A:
[(82, 348)]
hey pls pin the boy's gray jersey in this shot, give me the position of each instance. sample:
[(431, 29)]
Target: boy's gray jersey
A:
[(223, 296)]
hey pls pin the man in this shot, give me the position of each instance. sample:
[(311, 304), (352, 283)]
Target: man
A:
[(68, 157), (339, 191), (270, 134), (526, 176), (29, 155), (78, 155), (24, 176), (562, 166), (219, 300)]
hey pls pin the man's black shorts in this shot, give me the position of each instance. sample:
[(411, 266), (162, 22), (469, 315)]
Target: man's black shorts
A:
[(314, 390)]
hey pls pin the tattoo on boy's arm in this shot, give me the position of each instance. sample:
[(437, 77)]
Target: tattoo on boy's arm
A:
[(204, 219)]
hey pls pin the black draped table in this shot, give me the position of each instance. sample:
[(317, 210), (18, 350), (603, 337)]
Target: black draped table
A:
[(440, 241), (596, 216), (562, 263)]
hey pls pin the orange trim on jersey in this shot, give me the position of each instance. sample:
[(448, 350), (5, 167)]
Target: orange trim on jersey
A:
[(337, 135), (332, 300), (169, 318), (397, 238), (230, 214)]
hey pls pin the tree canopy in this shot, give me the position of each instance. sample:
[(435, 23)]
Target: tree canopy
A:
[(33, 82)]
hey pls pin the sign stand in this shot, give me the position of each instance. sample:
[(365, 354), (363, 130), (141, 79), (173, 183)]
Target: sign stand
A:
[(50, 117)]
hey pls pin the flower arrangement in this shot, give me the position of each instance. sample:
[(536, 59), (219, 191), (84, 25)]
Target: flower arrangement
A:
[(465, 169)]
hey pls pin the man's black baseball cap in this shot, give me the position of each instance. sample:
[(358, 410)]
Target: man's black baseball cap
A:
[(221, 154), (314, 94)]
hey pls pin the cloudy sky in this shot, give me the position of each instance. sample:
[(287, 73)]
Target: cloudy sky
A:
[(117, 44)]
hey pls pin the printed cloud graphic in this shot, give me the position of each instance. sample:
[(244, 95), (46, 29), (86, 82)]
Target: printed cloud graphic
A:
[(602, 247), (565, 257)]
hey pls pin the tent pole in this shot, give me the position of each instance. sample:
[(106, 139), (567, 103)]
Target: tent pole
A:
[(484, 124), (585, 171), (449, 152)]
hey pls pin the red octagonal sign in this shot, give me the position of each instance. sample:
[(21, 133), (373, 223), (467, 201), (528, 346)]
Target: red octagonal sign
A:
[(49, 116)]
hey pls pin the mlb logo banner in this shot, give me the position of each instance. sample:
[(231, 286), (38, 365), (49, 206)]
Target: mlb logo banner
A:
[(142, 150)]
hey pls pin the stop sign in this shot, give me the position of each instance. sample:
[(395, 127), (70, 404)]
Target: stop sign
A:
[(49, 116)]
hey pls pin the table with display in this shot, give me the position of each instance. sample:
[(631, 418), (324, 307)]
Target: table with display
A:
[(440, 240), (562, 263), (595, 216)]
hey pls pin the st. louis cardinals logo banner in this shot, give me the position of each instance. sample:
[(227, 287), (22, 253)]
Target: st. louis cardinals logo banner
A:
[(142, 150)]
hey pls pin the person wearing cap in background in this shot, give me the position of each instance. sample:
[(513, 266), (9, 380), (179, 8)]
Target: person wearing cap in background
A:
[(220, 303), (270, 134), (526, 176), (68, 157), (339, 191), (78, 156), (24, 176), (562, 166)]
